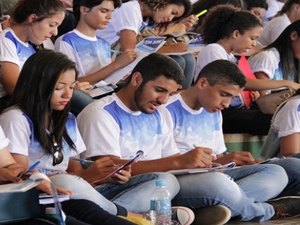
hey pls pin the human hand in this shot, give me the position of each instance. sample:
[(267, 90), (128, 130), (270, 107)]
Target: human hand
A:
[(240, 158), (198, 157), (84, 86), (254, 95), (125, 58), (122, 176), (190, 21), (11, 172)]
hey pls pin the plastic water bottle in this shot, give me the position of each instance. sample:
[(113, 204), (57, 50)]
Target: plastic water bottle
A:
[(160, 205)]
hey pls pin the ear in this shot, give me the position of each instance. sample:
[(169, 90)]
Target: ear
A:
[(294, 36), (32, 18), (84, 10), (136, 79), (202, 83), (235, 34)]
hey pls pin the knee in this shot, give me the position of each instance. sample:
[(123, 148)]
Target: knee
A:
[(172, 183)]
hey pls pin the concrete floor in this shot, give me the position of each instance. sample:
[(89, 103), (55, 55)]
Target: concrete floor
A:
[(292, 221)]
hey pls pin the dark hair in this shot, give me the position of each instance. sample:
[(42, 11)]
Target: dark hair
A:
[(222, 20), (290, 66), (159, 4), (89, 4), (33, 94), (287, 6), (222, 72), (249, 4), (155, 65), (42, 8)]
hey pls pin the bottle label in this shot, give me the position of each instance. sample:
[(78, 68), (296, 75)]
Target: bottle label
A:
[(163, 205)]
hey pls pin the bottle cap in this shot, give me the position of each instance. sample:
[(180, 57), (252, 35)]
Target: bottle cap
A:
[(160, 183)]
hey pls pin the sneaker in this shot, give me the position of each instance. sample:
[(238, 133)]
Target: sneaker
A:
[(288, 206), (213, 215), (182, 215)]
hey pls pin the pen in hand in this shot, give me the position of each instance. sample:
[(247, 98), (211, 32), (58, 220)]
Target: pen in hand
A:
[(30, 169), (84, 162)]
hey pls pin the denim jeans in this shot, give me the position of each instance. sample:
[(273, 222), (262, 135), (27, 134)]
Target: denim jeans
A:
[(241, 190), (292, 168), (135, 195), (188, 63)]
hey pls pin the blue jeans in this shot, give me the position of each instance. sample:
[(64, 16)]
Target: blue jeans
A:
[(83, 190), (188, 63), (133, 195), (136, 193), (241, 190), (292, 168)]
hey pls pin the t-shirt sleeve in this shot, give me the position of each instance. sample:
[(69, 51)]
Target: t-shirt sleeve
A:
[(287, 120), (17, 130), (265, 62), (3, 140), (8, 51), (100, 133)]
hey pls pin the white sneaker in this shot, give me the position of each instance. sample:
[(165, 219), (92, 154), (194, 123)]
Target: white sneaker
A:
[(182, 215), (214, 215)]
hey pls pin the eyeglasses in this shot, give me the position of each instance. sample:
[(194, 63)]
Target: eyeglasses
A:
[(57, 154)]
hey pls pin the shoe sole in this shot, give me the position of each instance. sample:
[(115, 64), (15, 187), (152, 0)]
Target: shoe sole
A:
[(186, 220), (214, 215)]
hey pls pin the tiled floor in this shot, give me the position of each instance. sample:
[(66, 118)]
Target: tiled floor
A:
[(294, 221)]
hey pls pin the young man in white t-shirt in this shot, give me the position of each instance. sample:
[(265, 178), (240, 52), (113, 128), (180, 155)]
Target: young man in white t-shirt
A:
[(197, 121)]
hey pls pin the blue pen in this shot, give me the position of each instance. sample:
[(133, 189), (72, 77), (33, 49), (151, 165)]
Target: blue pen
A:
[(84, 162), (30, 169)]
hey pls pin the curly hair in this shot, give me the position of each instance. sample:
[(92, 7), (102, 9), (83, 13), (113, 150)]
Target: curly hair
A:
[(222, 20)]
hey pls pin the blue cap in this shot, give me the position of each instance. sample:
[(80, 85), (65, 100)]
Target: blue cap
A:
[(160, 183)]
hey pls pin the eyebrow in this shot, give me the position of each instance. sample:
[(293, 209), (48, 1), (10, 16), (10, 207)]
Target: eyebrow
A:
[(60, 82)]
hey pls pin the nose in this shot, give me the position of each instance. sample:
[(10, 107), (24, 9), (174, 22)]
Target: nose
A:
[(54, 31), (226, 103), (163, 98), (109, 15), (68, 92), (254, 43)]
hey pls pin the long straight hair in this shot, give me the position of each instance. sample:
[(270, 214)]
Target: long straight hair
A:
[(289, 64), (33, 93)]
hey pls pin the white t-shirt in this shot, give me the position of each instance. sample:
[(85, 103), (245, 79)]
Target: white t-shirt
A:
[(127, 17), (3, 140), (268, 62), (195, 127), (274, 6), (13, 50), (273, 29), (89, 54), (108, 127), (209, 54), (284, 123), (19, 130)]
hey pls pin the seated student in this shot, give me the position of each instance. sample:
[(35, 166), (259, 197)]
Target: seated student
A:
[(130, 120), (92, 54), (257, 8), (86, 212), (288, 14), (128, 20), (283, 138), (197, 121), (40, 127), (280, 59)]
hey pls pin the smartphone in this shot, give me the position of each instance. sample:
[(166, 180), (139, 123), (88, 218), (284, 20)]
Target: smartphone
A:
[(138, 155)]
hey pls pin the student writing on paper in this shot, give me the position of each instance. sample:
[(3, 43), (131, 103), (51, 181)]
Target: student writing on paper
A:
[(197, 118), (91, 53), (85, 211)]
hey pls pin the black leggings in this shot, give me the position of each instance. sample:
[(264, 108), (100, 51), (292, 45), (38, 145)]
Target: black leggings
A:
[(82, 212)]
